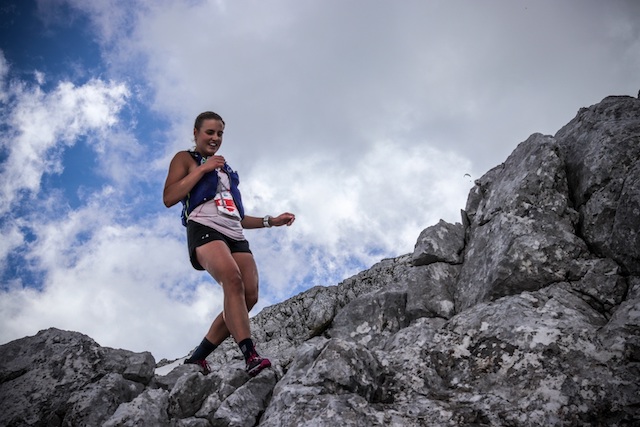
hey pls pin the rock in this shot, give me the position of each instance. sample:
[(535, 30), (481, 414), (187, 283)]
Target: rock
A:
[(168, 381), (624, 244), (45, 376), (430, 290), (601, 149), (521, 233), (371, 317), (532, 359), (442, 242), (621, 334), (601, 284), (92, 405), (245, 406), (329, 383), (189, 392), (147, 410)]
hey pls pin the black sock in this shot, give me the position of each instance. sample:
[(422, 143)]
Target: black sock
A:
[(204, 349), (247, 348)]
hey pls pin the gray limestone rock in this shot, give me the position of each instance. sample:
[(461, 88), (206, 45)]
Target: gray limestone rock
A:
[(601, 146), (92, 405), (244, 407), (371, 318), (622, 333), (600, 282), (330, 382), (521, 235), (442, 242), (430, 290), (149, 409), (188, 394), (55, 372)]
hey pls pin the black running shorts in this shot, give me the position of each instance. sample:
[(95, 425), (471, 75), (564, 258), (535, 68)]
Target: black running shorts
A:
[(198, 235)]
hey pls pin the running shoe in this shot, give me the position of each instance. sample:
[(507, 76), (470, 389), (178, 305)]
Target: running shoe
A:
[(256, 364)]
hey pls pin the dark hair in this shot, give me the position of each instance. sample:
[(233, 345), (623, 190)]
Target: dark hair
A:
[(207, 115)]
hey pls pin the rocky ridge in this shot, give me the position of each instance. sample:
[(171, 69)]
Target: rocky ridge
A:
[(526, 313)]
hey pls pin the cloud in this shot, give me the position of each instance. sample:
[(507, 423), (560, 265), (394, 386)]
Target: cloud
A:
[(300, 76), (12, 238), (297, 78), (42, 124)]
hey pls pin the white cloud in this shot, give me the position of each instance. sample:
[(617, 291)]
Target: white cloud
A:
[(43, 124), (290, 77), (12, 238)]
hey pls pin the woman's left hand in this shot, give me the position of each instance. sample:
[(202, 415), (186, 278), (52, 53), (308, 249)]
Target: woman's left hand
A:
[(283, 219)]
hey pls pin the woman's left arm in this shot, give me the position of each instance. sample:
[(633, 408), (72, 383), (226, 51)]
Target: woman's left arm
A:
[(268, 221)]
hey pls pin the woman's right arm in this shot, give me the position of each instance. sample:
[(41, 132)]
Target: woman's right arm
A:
[(183, 175)]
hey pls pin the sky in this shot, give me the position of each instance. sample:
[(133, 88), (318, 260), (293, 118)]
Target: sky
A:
[(368, 119)]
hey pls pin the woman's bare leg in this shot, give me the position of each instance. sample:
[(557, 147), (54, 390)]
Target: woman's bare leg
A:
[(216, 258), (218, 331), (221, 270), (249, 272)]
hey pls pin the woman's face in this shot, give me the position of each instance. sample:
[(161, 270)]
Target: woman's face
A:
[(209, 137)]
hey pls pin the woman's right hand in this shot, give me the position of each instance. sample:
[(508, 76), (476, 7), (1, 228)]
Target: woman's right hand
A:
[(213, 163)]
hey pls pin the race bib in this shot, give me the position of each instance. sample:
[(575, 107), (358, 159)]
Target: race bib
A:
[(226, 205)]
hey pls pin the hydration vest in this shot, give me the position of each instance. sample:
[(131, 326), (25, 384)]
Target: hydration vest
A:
[(207, 187)]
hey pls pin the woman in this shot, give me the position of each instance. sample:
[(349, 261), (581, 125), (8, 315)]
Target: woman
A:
[(215, 219)]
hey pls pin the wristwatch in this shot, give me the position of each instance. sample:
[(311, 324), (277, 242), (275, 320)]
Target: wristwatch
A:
[(265, 221)]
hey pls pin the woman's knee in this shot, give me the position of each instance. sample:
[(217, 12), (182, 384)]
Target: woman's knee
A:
[(233, 285), (251, 298)]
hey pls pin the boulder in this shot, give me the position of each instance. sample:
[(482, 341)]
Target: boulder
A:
[(58, 374)]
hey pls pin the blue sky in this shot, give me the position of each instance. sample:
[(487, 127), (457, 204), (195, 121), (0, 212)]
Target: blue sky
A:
[(361, 117)]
